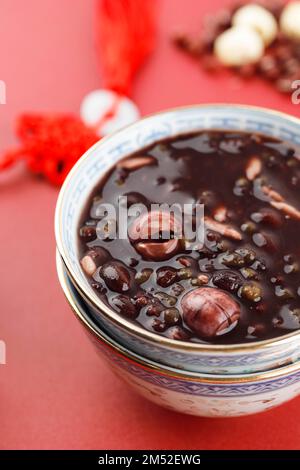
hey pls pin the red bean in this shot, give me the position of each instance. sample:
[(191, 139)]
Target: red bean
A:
[(116, 276)]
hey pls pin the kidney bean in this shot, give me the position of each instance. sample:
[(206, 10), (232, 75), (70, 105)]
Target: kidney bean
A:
[(116, 276)]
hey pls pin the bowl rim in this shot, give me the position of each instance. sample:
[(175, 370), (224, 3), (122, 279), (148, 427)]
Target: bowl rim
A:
[(113, 316), (162, 369)]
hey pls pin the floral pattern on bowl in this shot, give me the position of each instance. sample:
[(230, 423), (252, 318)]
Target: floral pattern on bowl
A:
[(191, 393)]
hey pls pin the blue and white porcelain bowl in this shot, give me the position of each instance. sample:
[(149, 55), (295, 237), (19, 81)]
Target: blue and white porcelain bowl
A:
[(187, 392), (211, 359)]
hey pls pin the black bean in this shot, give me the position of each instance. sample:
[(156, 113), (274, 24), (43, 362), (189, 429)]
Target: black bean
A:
[(123, 305), (227, 280), (88, 233), (158, 325)]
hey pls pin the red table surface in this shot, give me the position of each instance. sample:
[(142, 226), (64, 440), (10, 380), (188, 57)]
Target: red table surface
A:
[(55, 392)]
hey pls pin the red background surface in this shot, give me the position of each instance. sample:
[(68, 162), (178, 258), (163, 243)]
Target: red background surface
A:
[(55, 392)]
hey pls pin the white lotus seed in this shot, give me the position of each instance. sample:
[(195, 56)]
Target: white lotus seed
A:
[(97, 106), (290, 20), (88, 265), (258, 18), (239, 46)]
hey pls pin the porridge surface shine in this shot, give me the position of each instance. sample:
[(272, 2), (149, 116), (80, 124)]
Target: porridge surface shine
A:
[(243, 284)]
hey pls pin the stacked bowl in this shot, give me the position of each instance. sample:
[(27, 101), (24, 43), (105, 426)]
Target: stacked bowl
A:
[(194, 378)]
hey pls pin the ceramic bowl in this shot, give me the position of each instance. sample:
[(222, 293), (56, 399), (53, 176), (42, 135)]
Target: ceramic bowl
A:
[(229, 359), (191, 393)]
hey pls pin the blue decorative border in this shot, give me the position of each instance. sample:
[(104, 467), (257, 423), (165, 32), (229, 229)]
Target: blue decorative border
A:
[(199, 388)]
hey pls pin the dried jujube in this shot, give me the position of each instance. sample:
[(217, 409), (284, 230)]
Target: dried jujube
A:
[(210, 312)]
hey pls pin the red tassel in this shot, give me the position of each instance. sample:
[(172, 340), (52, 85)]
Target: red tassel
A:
[(126, 37), (51, 144)]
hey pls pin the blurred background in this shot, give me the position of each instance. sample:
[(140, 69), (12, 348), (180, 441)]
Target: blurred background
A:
[(54, 391)]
